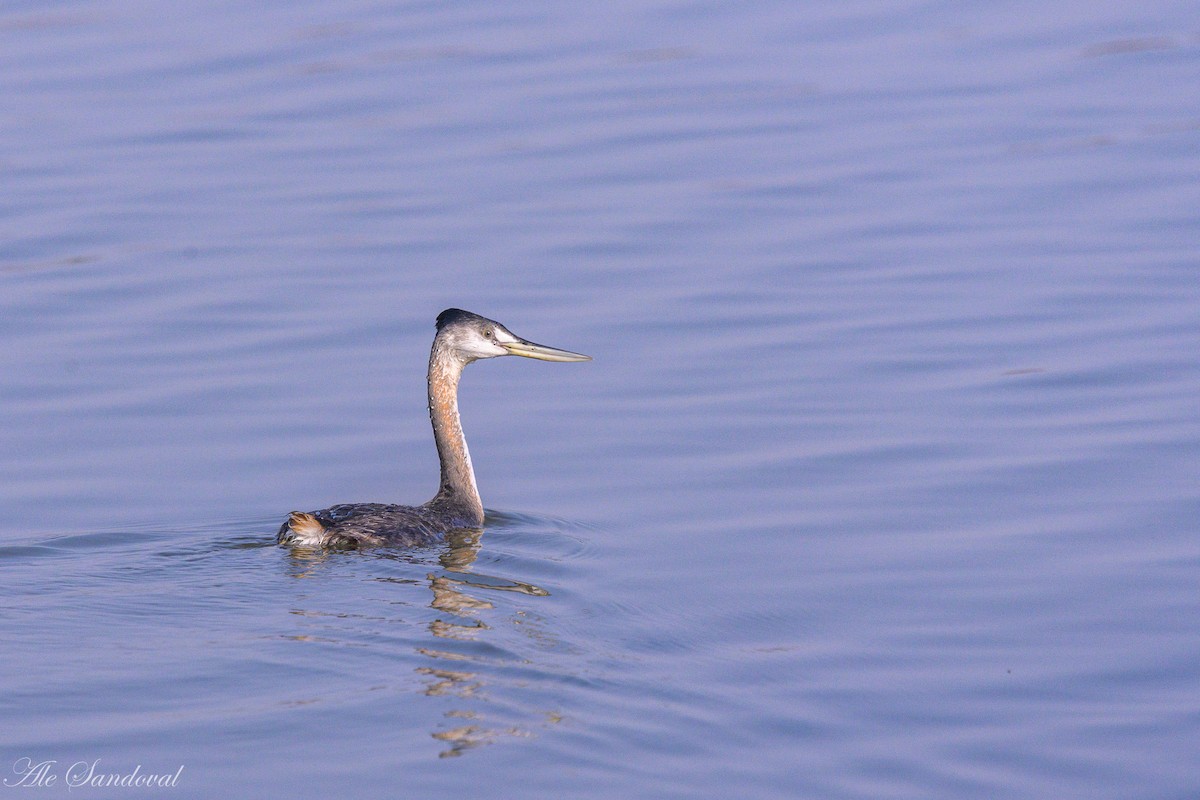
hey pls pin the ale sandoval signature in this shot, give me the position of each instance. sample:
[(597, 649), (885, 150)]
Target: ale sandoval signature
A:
[(28, 772)]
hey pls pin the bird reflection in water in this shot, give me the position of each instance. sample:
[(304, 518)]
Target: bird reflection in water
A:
[(456, 560), (449, 674)]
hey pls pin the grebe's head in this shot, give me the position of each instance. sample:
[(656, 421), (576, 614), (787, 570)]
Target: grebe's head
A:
[(470, 337)]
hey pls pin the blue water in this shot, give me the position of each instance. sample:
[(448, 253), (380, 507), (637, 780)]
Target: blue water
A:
[(882, 483)]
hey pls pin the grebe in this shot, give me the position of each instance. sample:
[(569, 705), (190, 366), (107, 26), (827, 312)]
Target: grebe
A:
[(462, 337)]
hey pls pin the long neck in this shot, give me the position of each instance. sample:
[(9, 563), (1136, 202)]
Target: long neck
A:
[(457, 492)]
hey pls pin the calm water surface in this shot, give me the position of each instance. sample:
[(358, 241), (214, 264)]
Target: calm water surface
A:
[(882, 484)]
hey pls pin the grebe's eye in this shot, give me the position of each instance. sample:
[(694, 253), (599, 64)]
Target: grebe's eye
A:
[(489, 333)]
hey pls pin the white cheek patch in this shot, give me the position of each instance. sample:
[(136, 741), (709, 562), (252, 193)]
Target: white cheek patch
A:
[(479, 347)]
